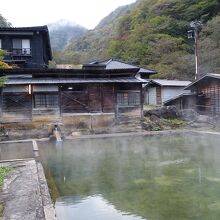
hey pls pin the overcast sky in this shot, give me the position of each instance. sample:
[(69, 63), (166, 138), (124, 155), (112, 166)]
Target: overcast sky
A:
[(40, 12)]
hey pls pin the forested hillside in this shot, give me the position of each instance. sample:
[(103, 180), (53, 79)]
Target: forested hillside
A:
[(93, 44), (153, 33)]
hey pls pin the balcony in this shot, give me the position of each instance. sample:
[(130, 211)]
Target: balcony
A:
[(17, 55), (21, 52)]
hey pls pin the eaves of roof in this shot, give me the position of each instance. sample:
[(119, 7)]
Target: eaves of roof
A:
[(179, 96), (32, 81), (209, 75)]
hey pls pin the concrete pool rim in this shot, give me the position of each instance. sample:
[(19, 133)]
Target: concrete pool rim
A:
[(141, 133)]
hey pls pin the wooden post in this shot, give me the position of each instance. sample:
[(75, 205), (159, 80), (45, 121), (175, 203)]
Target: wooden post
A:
[(116, 104), (60, 101), (196, 55), (142, 101)]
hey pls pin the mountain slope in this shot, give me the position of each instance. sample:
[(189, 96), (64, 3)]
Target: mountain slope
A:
[(62, 32), (153, 33), (92, 44)]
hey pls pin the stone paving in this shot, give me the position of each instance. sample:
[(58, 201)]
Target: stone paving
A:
[(25, 193)]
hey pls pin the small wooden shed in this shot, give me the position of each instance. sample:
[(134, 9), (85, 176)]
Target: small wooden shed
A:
[(207, 90), (204, 96)]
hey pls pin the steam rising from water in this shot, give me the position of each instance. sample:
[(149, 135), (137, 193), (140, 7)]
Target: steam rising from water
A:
[(161, 177)]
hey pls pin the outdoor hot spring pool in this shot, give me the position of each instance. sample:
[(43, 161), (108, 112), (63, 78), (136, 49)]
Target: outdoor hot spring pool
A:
[(166, 177)]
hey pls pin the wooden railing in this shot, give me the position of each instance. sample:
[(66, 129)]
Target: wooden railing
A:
[(21, 52)]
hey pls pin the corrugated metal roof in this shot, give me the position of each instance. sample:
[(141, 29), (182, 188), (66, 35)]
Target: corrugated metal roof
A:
[(208, 75), (164, 82), (167, 102), (71, 81)]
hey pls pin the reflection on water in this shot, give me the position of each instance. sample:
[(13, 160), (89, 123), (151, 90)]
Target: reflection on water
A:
[(92, 207), (16, 151), (167, 177)]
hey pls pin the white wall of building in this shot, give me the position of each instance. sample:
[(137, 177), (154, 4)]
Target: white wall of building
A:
[(151, 96), (168, 92)]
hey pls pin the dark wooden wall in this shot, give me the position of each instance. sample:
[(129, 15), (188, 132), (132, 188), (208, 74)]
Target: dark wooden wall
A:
[(209, 98), (17, 105), (133, 111), (39, 56), (90, 99), (74, 101), (78, 98), (95, 100), (158, 95), (108, 98)]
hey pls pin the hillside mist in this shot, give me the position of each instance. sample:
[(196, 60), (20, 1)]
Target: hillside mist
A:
[(92, 45), (62, 32)]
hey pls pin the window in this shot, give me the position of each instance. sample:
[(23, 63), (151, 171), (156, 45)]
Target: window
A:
[(21, 47), (46, 101), (128, 98), (0, 44)]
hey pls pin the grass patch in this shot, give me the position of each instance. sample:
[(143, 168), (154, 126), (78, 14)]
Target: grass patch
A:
[(162, 124), (173, 123), (3, 173)]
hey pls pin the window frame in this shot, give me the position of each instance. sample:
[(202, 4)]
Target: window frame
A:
[(128, 98), (20, 50), (45, 100)]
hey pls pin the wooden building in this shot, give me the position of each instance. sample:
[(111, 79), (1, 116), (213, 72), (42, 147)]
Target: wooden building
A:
[(204, 96), (71, 96), (27, 47), (158, 91)]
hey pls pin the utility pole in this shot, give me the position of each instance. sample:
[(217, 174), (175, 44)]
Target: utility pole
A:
[(194, 33)]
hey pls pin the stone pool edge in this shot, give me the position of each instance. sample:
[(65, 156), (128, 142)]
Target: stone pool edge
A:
[(48, 206), (142, 133), (28, 176)]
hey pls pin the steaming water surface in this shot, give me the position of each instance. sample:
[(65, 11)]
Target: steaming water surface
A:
[(11, 151), (134, 178)]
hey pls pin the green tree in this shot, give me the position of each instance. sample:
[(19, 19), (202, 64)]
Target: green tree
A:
[(153, 34), (209, 47), (3, 65), (4, 22)]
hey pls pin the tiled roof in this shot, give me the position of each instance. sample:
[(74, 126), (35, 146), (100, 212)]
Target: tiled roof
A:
[(116, 64)]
